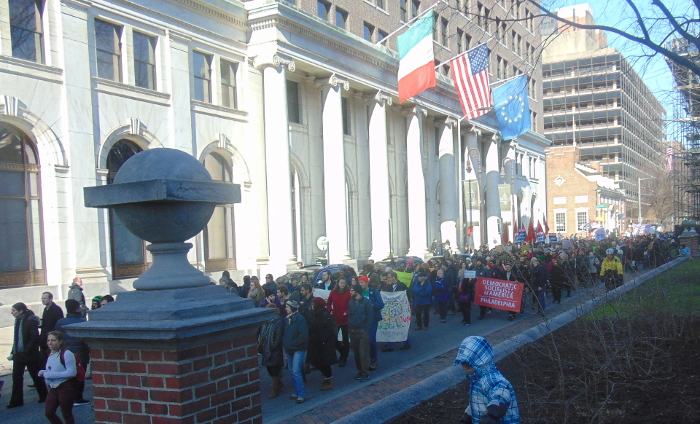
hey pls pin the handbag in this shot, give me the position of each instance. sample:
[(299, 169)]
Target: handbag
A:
[(464, 298)]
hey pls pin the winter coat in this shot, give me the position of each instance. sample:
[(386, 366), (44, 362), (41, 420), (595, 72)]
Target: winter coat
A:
[(466, 287), (538, 276), (296, 334), (322, 336), (75, 292), (558, 277), (377, 302), (613, 264), (338, 305), (25, 347), (361, 315), (488, 386), (441, 290), (422, 293), (74, 344), (270, 339), (52, 314)]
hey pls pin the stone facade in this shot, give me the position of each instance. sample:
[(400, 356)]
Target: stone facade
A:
[(299, 111)]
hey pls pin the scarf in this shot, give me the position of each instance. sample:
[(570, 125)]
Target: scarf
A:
[(18, 345)]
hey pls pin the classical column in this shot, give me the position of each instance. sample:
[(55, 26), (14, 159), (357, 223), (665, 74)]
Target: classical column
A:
[(334, 167), (448, 182), (379, 175), (493, 204), (416, 182), (279, 184), (472, 195)]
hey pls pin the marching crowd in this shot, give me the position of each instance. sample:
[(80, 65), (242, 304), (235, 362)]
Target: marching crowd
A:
[(309, 332)]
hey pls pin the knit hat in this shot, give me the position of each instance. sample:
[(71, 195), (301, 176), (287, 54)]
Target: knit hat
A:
[(364, 278), (318, 301), (97, 299), (357, 288), (293, 305)]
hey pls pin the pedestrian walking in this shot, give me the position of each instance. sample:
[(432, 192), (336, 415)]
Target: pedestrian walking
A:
[(360, 323), (25, 354), (339, 306), (422, 292), (491, 396), (75, 345), (60, 372), (296, 339), (322, 336), (270, 349), (51, 314)]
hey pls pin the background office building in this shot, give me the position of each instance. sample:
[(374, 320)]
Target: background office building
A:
[(594, 100)]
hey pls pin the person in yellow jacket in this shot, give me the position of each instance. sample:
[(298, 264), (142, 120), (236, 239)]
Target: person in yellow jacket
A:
[(612, 263)]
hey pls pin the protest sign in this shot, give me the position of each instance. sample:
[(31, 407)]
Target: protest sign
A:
[(469, 274), (553, 238), (567, 244), (404, 277), (499, 294), (396, 317), (520, 238)]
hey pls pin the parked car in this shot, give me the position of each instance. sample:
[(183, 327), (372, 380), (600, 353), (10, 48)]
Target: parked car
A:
[(310, 270), (388, 261), (335, 270)]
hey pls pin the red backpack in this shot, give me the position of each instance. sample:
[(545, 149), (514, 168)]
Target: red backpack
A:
[(80, 369)]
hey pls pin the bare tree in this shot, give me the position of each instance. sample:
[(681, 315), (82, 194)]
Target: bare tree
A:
[(658, 194)]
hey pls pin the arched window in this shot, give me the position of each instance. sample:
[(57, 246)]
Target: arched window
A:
[(21, 252), (129, 255), (219, 235)]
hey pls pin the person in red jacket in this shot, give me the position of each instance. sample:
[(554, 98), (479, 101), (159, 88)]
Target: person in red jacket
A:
[(337, 304)]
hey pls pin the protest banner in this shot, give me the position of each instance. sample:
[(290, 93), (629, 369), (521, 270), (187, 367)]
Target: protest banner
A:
[(552, 238), (567, 244), (404, 277), (396, 317), (469, 274), (498, 294), (520, 238)]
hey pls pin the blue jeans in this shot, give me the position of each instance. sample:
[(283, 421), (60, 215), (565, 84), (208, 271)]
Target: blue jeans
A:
[(296, 365), (373, 341), (541, 298)]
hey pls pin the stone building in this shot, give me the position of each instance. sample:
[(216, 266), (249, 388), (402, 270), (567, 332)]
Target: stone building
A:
[(580, 198), (293, 100), (593, 99)]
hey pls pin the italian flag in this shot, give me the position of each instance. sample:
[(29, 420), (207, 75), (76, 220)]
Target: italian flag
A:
[(416, 58)]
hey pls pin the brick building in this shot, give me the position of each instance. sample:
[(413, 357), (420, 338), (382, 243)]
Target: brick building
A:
[(579, 197), (595, 100)]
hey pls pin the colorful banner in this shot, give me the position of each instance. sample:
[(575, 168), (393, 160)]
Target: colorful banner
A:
[(540, 237), (553, 239), (499, 294), (404, 277), (520, 238), (396, 317), (504, 197)]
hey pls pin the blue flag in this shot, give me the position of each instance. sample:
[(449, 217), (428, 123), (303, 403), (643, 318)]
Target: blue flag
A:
[(512, 108)]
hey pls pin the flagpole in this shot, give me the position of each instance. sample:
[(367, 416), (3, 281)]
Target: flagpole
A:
[(411, 21), (474, 110), (463, 53), (506, 80)]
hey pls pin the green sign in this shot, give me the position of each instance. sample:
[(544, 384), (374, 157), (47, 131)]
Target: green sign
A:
[(471, 194), (601, 206)]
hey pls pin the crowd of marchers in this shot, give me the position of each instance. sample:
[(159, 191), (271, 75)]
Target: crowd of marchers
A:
[(308, 332)]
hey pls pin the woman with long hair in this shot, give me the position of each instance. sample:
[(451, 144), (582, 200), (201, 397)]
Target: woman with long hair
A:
[(465, 301), (25, 354), (558, 279), (59, 374), (270, 349), (256, 291), (338, 305), (322, 336)]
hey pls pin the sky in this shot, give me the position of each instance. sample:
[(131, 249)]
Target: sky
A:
[(654, 71)]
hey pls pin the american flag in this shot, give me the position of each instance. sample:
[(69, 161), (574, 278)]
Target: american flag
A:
[(669, 158), (470, 73)]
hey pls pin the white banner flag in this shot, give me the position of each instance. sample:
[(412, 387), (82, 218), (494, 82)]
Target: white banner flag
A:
[(396, 317)]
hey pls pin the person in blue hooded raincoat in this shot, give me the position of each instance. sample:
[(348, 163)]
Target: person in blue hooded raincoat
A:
[(491, 396)]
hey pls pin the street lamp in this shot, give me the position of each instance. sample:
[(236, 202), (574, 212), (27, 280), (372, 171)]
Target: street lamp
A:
[(639, 198)]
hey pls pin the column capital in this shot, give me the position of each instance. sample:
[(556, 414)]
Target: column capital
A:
[(446, 120), (275, 61), (333, 80), (495, 137), (379, 97), (414, 110)]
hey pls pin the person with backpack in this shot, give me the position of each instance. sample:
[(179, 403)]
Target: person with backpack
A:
[(75, 345), (60, 375)]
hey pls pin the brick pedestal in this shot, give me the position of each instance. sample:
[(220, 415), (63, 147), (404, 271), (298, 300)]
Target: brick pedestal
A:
[(201, 368)]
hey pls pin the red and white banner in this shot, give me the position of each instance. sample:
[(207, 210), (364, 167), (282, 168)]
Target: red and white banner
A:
[(499, 294)]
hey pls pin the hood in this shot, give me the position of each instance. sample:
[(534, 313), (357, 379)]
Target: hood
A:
[(75, 286), (478, 353)]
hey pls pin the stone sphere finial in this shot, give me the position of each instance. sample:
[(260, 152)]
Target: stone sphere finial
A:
[(164, 196)]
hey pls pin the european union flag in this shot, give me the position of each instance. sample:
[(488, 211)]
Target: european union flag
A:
[(512, 108)]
